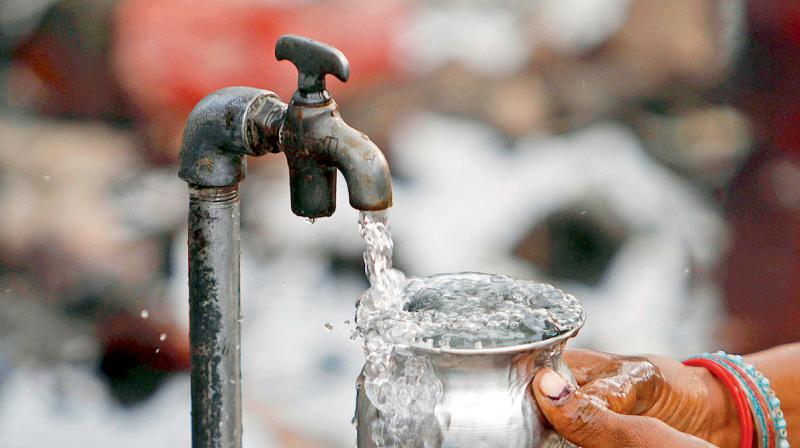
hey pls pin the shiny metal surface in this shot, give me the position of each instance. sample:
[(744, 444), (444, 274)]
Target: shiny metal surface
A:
[(486, 400)]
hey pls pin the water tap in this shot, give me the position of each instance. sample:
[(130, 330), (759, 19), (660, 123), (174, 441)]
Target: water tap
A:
[(238, 121), (223, 128), (317, 141)]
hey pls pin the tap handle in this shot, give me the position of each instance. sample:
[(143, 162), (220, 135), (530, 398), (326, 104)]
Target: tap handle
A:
[(313, 60)]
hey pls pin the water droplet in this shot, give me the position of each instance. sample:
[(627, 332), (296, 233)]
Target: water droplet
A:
[(328, 326), (158, 350), (685, 271), (46, 178), (163, 337), (145, 314), (583, 212)]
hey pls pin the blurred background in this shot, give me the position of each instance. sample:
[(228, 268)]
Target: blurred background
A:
[(641, 154)]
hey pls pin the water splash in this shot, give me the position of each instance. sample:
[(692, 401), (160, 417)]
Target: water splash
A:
[(459, 311), (473, 310)]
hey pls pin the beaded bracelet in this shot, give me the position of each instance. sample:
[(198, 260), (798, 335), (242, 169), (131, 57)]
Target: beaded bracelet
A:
[(756, 401), (773, 404), (764, 406)]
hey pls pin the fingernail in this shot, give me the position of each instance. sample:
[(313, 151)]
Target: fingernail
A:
[(554, 386)]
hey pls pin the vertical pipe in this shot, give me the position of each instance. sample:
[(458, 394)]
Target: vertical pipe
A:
[(214, 317)]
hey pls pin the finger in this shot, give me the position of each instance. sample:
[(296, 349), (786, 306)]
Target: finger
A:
[(632, 390), (613, 394), (573, 414), (584, 363), (587, 358), (580, 419)]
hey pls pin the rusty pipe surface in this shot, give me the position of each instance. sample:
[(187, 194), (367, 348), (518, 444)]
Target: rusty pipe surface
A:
[(214, 317), (224, 127)]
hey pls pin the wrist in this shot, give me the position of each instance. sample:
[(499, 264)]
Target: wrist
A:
[(722, 420), (693, 400)]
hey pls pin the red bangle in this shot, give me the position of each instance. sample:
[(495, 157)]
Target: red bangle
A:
[(739, 396), (759, 397)]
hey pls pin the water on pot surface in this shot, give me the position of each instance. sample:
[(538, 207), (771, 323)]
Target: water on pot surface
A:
[(447, 311), (471, 310)]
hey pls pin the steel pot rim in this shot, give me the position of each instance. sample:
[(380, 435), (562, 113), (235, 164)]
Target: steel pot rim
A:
[(529, 346)]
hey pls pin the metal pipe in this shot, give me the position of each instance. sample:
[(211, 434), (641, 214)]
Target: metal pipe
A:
[(223, 128), (214, 317)]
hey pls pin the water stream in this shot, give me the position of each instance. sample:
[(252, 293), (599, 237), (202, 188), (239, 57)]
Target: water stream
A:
[(399, 384)]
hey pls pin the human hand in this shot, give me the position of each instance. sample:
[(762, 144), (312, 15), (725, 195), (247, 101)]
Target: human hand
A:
[(636, 402)]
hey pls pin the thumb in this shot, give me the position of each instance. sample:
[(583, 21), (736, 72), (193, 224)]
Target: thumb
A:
[(586, 422), (578, 417)]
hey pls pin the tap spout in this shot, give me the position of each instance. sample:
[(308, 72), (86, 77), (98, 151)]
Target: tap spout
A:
[(369, 182), (316, 142)]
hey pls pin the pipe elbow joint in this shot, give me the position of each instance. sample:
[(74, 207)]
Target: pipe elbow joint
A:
[(222, 128)]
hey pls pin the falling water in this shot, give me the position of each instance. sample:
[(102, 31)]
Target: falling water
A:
[(401, 385)]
